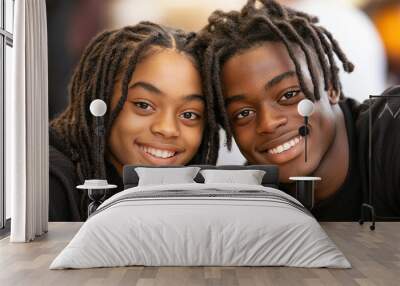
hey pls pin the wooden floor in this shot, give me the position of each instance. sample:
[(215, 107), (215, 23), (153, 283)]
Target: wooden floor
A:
[(374, 255)]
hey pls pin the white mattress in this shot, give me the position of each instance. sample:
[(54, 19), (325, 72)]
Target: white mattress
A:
[(183, 230)]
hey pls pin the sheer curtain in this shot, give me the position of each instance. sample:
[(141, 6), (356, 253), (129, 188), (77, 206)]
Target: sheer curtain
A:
[(27, 124)]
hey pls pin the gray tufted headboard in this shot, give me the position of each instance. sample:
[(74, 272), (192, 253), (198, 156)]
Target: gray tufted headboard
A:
[(270, 179)]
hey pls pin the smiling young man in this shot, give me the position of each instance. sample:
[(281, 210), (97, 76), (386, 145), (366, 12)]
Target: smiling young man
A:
[(261, 98), (260, 63)]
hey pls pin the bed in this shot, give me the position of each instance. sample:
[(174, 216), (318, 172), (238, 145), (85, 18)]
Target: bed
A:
[(201, 224)]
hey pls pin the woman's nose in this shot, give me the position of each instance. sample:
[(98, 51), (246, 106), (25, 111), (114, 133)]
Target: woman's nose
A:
[(166, 125)]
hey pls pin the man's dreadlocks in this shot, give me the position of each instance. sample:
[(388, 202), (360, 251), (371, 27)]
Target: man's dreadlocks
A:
[(110, 55), (228, 33)]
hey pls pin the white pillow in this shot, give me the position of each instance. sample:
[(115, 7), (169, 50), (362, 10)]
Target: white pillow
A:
[(248, 177), (162, 176)]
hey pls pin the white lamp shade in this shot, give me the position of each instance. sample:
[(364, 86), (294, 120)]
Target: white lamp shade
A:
[(98, 107), (305, 107)]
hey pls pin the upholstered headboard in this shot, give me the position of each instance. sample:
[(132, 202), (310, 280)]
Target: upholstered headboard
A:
[(270, 179)]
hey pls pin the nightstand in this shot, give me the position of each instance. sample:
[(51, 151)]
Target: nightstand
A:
[(305, 190), (96, 192)]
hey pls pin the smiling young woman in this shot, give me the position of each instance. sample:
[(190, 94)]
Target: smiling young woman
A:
[(162, 121), (158, 114), (260, 62)]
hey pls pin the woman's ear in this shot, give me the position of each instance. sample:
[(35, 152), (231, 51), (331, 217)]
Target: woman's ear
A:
[(334, 96)]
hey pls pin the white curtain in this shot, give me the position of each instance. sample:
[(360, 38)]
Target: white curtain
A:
[(27, 170)]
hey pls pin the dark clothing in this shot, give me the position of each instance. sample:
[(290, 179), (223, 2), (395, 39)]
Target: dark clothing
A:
[(345, 204), (64, 197)]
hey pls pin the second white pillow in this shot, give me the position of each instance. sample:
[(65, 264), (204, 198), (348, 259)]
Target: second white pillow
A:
[(248, 177)]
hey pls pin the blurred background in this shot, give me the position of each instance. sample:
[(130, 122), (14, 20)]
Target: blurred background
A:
[(368, 31)]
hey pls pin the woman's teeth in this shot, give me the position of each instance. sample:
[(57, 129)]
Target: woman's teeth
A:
[(157, 152), (285, 146)]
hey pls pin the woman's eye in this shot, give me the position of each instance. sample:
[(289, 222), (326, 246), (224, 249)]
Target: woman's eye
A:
[(189, 115), (290, 94), (143, 105), (244, 113)]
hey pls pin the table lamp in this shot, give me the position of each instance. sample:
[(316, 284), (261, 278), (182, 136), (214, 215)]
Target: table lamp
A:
[(97, 187), (305, 108), (305, 185)]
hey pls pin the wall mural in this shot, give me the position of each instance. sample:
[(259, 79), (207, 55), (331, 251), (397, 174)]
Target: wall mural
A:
[(167, 82)]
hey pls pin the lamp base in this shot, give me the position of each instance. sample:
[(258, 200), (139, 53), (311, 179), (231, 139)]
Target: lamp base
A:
[(97, 191)]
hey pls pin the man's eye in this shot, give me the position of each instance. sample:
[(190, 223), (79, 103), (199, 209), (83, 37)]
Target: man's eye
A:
[(290, 94), (244, 113), (143, 105), (189, 115)]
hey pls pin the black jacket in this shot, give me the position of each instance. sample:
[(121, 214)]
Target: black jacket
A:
[(384, 167), (64, 198)]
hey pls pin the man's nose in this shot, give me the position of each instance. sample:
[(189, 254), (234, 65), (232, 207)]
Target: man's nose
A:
[(270, 118)]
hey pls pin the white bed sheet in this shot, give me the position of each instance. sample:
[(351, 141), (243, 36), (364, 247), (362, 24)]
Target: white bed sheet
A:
[(200, 231)]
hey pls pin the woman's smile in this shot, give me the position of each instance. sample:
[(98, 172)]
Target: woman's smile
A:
[(164, 154)]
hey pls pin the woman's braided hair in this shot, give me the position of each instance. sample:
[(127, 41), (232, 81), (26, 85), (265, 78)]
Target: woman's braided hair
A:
[(111, 55), (229, 33)]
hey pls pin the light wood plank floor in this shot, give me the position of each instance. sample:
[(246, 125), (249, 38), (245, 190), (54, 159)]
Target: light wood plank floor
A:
[(374, 255)]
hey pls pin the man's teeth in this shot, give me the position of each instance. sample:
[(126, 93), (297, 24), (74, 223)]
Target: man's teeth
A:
[(157, 152), (285, 146)]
